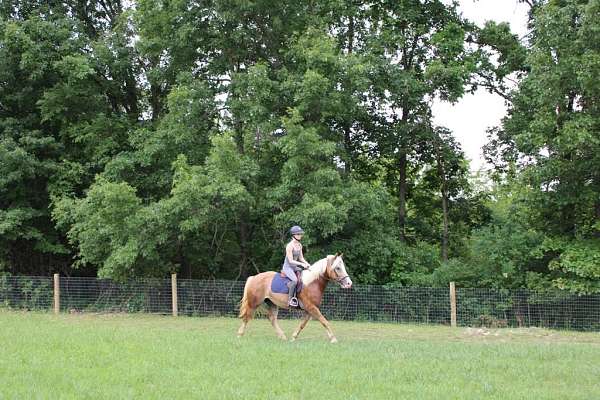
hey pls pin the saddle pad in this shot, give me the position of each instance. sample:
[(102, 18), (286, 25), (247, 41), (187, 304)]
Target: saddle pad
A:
[(279, 284)]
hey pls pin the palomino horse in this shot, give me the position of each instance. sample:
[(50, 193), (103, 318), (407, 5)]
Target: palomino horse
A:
[(315, 280)]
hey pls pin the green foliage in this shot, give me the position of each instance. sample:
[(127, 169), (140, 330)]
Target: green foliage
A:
[(101, 223), (188, 136), (310, 192), (578, 264), (503, 253), (501, 55), (551, 135), (369, 236), (416, 264)]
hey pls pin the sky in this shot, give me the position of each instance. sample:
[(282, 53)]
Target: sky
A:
[(470, 117)]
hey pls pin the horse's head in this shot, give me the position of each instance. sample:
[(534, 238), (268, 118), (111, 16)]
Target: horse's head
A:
[(336, 271)]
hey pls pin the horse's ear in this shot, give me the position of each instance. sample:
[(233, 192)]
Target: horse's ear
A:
[(337, 254)]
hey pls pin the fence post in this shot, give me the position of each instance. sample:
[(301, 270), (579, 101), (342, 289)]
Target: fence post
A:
[(56, 293), (452, 305), (174, 293)]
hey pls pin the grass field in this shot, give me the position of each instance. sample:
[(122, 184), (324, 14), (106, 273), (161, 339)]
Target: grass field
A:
[(43, 356)]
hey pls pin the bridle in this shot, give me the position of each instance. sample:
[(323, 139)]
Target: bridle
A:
[(338, 279)]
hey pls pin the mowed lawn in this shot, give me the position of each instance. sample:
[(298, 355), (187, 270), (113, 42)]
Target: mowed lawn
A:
[(86, 356)]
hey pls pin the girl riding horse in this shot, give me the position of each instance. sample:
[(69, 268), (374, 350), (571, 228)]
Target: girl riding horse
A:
[(315, 279), (294, 262)]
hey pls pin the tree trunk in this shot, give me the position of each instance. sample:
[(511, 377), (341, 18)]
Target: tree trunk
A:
[(131, 97), (245, 212), (597, 233), (243, 239), (348, 125), (444, 190), (347, 163), (402, 165), (155, 101), (445, 227), (185, 266)]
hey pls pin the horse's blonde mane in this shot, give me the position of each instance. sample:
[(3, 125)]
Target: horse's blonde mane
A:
[(315, 271)]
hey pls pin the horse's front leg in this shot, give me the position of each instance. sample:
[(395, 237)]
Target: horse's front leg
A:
[(303, 323), (272, 313), (316, 314)]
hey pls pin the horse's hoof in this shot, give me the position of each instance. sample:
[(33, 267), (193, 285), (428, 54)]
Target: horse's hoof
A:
[(293, 339), (333, 340)]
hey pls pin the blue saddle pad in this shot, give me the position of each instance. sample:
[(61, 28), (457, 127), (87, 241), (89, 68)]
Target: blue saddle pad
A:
[(279, 284)]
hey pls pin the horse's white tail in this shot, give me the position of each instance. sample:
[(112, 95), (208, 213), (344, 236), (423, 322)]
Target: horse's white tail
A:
[(244, 306)]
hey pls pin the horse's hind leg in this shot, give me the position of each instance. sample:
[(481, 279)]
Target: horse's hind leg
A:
[(248, 305), (247, 313), (245, 319), (303, 323), (272, 313)]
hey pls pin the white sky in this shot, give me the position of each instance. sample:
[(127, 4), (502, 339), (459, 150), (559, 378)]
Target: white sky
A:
[(469, 118)]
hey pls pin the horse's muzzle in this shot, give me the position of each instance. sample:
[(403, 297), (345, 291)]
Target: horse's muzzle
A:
[(346, 283)]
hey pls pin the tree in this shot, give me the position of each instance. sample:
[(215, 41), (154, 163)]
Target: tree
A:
[(552, 132), (451, 171), (188, 136), (57, 123), (417, 51)]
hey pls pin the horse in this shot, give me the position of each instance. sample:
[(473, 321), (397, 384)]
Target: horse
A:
[(315, 279)]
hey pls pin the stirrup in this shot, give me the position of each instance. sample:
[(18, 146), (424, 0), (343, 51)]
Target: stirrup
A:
[(293, 302)]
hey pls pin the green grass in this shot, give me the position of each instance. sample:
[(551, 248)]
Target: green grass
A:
[(156, 357)]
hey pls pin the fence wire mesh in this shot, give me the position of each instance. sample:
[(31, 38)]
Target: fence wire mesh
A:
[(524, 308), (30, 293), (101, 295), (475, 307)]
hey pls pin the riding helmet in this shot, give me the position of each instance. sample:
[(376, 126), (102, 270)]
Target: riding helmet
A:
[(296, 230)]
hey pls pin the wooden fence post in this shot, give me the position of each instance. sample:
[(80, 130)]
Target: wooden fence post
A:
[(452, 305), (174, 293), (56, 293)]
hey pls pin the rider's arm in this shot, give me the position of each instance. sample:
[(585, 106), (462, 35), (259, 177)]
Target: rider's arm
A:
[(306, 263)]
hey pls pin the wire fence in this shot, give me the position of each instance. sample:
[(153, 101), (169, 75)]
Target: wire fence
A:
[(475, 307)]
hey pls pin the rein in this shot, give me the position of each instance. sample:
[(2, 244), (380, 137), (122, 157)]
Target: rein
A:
[(339, 280)]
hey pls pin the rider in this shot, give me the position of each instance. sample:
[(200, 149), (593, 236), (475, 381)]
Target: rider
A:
[(294, 261)]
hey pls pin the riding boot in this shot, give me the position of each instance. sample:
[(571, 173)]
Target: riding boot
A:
[(293, 301)]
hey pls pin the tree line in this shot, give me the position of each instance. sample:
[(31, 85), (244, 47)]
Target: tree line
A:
[(141, 138)]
